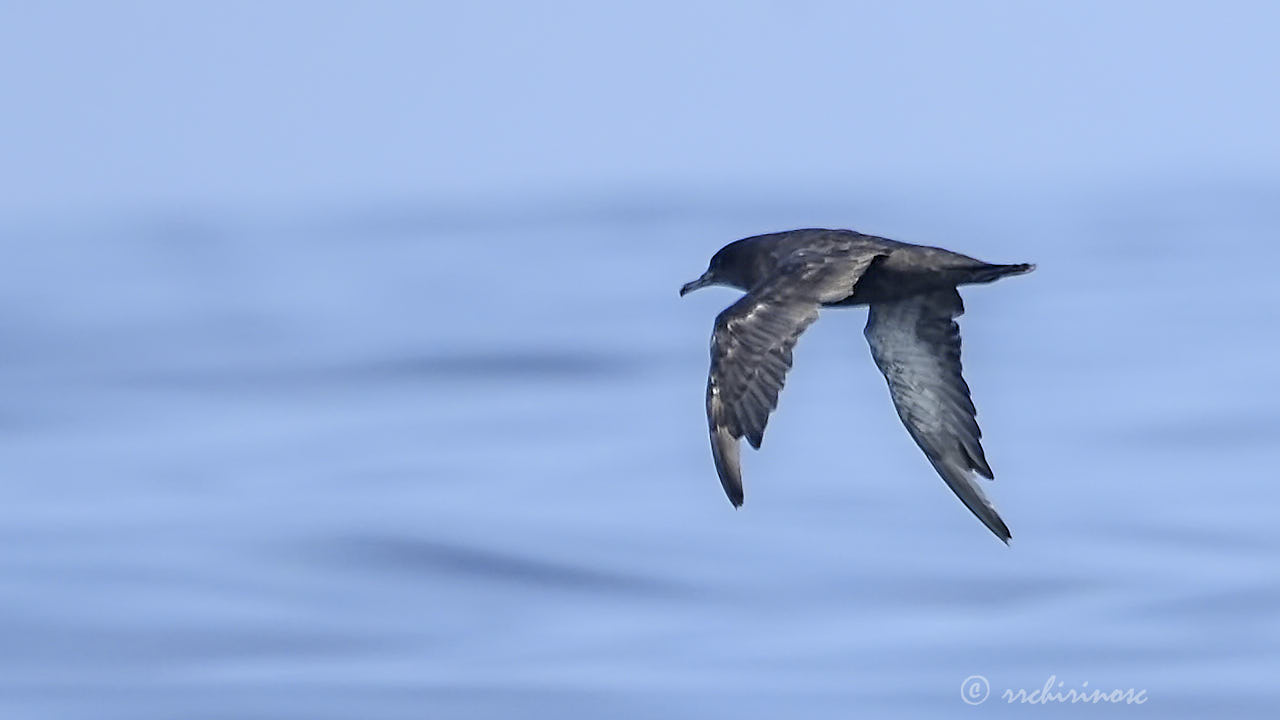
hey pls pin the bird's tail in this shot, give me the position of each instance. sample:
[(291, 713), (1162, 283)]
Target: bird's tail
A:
[(986, 272)]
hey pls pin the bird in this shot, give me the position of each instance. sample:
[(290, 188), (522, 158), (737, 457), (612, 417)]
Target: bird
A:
[(911, 292)]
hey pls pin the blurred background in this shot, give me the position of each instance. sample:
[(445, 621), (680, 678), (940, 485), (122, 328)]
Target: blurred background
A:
[(342, 370)]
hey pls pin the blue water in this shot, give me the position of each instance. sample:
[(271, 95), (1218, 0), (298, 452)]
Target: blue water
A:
[(416, 461)]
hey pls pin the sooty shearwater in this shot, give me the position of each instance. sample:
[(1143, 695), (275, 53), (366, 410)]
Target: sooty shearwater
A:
[(915, 341)]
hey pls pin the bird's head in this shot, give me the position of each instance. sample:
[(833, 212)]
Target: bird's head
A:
[(730, 266)]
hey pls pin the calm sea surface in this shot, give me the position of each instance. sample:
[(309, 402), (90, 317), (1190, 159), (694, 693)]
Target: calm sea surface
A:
[(407, 463)]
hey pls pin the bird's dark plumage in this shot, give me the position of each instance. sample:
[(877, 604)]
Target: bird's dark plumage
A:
[(916, 344), (751, 349), (911, 329)]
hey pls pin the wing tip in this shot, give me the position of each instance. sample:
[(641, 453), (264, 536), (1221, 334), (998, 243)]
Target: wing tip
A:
[(1001, 531), (961, 482), (990, 518), (994, 523), (725, 453)]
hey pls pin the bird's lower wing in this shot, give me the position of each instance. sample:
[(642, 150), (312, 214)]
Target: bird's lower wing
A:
[(751, 351), (916, 344)]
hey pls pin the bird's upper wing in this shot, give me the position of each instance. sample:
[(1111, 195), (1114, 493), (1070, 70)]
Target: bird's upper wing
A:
[(751, 349), (916, 344)]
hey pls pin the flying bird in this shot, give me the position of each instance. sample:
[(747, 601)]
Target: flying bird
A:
[(911, 328)]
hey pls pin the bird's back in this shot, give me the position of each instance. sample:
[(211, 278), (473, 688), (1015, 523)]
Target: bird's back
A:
[(764, 253), (903, 270)]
